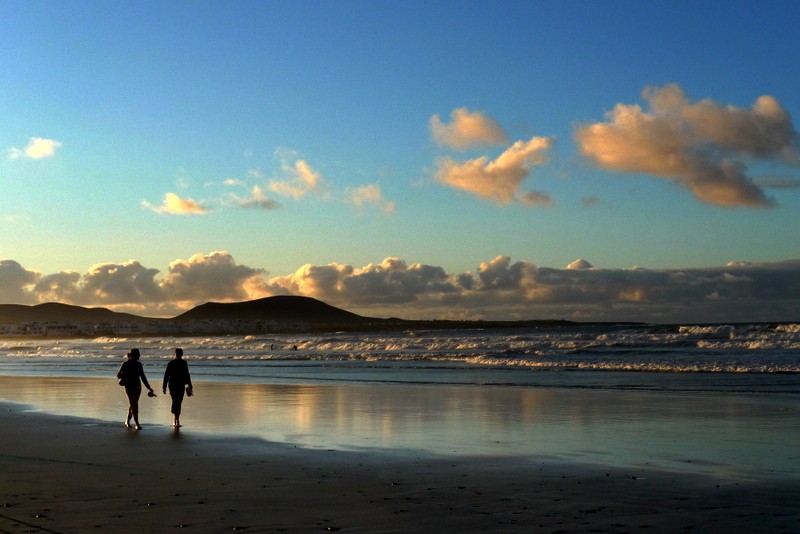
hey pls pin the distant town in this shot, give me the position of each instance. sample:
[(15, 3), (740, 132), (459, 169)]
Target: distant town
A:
[(58, 329)]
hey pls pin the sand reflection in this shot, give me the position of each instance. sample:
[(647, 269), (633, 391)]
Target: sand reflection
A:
[(720, 433)]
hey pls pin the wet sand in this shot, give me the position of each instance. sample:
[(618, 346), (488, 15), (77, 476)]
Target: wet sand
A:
[(61, 473), (734, 436)]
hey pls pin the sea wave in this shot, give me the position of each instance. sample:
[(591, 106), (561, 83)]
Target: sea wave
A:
[(735, 348)]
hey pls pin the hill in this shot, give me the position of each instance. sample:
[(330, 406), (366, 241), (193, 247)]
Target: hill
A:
[(278, 308), (56, 312), (289, 311)]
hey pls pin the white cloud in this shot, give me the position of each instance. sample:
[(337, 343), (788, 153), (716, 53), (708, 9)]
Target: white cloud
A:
[(703, 146), (319, 281), (370, 195), (176, 205), (501, 289), (496, 180), (302, 180), (214, 276), (112, 283), (132, 286), (467, 130), (497, 289), (391, 281), (37, 148)]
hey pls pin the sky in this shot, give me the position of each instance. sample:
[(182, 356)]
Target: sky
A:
[(612, 161)]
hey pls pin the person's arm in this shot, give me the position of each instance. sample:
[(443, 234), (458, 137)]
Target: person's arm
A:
[(166, 379), (188, 377), (144, 378)]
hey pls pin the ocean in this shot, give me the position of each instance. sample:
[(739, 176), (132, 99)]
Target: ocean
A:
[(752, 357), (721, 399)]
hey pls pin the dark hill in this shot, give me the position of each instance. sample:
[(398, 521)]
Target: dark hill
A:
[(292, 311), (280, 308), (56, 312)]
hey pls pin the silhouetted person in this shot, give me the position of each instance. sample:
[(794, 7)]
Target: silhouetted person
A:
[(176, 377), (131, 375)]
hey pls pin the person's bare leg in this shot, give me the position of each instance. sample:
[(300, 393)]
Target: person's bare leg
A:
[(133, 396), (132, 407)]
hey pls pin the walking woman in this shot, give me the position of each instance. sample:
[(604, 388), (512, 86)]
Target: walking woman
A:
[(131, 375), (176, 377)]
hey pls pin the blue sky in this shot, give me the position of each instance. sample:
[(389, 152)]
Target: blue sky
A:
[(400, 158)]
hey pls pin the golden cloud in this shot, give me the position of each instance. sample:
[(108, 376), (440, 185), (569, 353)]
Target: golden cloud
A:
[(496, 180), (467, 130), (702, 146), (175, 205)]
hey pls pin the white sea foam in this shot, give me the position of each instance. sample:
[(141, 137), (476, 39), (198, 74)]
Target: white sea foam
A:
[(755, 349)]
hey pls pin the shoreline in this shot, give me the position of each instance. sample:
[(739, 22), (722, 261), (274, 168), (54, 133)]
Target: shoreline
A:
[(68, 474), (732, 437)]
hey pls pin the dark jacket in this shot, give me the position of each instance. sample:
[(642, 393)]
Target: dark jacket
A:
[(131, 374), (177, 374)]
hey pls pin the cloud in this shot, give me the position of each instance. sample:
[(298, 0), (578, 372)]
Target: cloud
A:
[(775, 182), (501, 289), (115, 283), (255, 174), (319, 281), (498, 289), (703, 146), (257, 199), (214, 276), (37, 148), (536, 198), (298, 181), (467, 130), (496, 180), (390, 282), (15, 282), (370, 195), (301, 181), (175, 205), (61, 287), (182, 179), (133, 287), (579, 264)]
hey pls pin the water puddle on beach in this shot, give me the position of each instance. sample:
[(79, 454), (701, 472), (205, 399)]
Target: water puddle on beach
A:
[(740, 436)]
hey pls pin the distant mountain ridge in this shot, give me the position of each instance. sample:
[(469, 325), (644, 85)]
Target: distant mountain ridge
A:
[(57, 312), (279, 308), (285, 310)]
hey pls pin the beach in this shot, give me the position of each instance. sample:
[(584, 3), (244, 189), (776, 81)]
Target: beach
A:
[(67, 464)]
